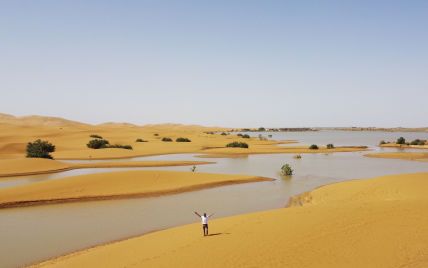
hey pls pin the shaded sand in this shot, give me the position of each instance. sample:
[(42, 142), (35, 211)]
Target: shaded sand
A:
[(32, 166), (115, 185), (70, 139), (401, 155), (381, 222)]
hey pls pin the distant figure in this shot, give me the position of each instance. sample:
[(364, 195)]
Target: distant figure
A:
[(204, 220)]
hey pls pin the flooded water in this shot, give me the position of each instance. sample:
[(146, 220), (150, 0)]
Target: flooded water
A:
[(36, 233)]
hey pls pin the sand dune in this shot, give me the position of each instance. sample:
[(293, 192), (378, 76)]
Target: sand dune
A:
[(401, 155), (379, 222), (31, 166), (115, 185), (70, 139)]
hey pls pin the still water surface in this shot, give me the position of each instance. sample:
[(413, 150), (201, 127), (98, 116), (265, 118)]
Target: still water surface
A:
[(36, 233)]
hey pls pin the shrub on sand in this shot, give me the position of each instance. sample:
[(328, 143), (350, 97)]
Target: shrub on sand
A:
[(97, 144), (313, 147), (166, 139), (182, 140), (40, 149), (237, 144)]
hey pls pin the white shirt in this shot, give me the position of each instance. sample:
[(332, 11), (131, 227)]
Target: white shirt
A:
[(204, 219)]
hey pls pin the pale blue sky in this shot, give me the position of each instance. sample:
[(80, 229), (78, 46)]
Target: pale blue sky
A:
[(225, 63)]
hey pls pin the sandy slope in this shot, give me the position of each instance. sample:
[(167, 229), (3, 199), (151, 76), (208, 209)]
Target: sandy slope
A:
[(70, 139), (125, 184), (394, 145), (401, 155), (31, 166), (381, 222)]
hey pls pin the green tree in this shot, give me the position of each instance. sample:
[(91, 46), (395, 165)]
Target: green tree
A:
[(40, 149), (330, 146), (401, 140)]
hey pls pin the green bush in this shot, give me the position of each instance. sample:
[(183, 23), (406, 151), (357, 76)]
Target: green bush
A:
[(401, 140), (140, 140), (239, 135), (245, 136), (95, 136), (418, 142), (40, 149), (237, 144), (156, 134), (313, 147), (127, 147), (286, 170), (97, 144), (182, 140), (382, 142), (224, 134), (262, 129), (330, 146), (166, 139)]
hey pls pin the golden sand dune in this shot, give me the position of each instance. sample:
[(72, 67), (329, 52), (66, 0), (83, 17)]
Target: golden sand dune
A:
[(395, 145), (113, 185), (381, 222), (31, 166), (70, 139), (401, 155), (36, 120)]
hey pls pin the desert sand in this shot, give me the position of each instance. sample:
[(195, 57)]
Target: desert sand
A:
[(380, 222), (113, 185), (32, 166), (401, 155), (70, 139), (395, 145)]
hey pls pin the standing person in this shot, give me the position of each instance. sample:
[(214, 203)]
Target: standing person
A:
[(204, 220)]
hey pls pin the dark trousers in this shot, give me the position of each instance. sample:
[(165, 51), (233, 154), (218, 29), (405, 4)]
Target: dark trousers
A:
[(205, 229)]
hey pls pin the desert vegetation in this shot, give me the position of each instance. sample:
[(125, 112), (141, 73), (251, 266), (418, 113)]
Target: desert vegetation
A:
[(286, 170), (401, 140), (140, 140), (95, 136), (330, 146), (418, 142), (103, 144), (313, 147), (166, 139), (40, 149), (182, 140), (98, 144), (237, 144)]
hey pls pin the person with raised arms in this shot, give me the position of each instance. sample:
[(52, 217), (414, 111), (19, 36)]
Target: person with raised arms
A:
[(204, 221)]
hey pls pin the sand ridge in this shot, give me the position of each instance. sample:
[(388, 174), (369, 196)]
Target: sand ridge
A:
[(71, 138), (34, 166), (115, 185), (423, 157), (380, 222)]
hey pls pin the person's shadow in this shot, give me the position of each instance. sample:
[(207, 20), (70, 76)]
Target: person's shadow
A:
[(214, 234)]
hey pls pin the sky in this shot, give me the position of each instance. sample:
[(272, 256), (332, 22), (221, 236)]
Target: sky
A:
[(217, 63)]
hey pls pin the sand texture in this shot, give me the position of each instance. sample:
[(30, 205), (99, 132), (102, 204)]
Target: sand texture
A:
[(114, 185), (380, 222)]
